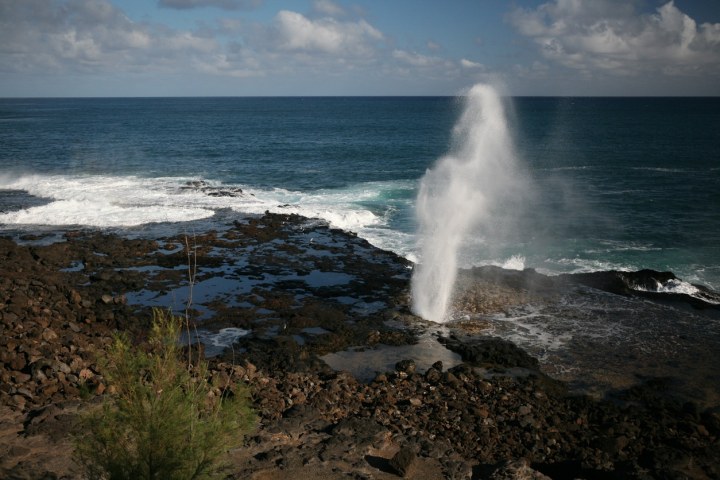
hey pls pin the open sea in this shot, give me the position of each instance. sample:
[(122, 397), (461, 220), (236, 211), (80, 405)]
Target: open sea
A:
[(620, 183), (616, 183)]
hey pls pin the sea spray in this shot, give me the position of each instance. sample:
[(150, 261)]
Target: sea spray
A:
[(469, 192)]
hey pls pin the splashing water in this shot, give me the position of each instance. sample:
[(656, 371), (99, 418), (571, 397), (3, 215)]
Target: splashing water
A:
[(470, 192)]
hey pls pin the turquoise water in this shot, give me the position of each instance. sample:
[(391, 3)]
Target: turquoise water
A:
[(616, 183)]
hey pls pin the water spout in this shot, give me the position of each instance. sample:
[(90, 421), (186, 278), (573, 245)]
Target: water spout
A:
[(467, 193)]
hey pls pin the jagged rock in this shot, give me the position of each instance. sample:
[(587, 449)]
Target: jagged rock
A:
[(455, 469), (517, 470), (433, 375), (491, 351), (405, 366), (27, 470), (49, 335), (403, 461)]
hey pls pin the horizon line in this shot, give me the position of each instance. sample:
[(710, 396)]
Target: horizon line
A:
[(132, 97)]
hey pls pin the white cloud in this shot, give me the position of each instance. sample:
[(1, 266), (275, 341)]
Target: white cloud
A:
[(411, 58), (611, 36), (537, 70), (433, 46), (328, 8), (465, 63), (95, 37), (238, 65), (224, 4), (78, 41), (185, 43), (417, 59), (299, 33), (88, 36)]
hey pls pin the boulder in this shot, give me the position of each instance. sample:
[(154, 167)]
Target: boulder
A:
[(402, 462)]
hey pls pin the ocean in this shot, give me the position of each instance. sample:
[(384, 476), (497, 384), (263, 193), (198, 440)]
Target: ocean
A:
[(618, 183), (607, 184)]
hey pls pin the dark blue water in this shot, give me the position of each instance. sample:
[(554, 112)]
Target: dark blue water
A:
[(619, 183), (294, 143), (632, 182)]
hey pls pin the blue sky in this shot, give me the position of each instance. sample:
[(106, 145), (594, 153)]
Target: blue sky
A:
[(334, 47)]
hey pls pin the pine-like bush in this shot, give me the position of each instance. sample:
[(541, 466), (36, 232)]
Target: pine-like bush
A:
[(165, 421)]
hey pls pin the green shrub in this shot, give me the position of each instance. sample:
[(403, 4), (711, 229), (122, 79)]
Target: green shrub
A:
[(164, 422)]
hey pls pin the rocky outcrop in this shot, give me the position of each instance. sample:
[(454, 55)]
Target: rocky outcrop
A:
[(493, 416), (642, 283)]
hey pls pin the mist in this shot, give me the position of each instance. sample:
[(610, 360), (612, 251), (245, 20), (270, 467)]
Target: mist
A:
[(474, 195)]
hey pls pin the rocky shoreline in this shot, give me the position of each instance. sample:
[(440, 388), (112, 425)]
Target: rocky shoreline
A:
[(300, 291)]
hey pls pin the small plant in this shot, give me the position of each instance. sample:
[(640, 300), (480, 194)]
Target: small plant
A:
[(165, 420)]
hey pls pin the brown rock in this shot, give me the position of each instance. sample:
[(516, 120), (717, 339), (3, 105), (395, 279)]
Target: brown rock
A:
[(517, 470), (403, 461), (11, 345), (33, 355), (19, 299), (18, 362), (10, 318), (19, 401), (25, 393), (42, 321), (75, 297), (481, 412), (50, 389), (76, 363), (433, 375), (49, 335), (62, 367), (406, 366), (20, 377), (451, 379)]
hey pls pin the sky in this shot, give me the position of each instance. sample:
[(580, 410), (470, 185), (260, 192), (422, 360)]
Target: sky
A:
[(100, 48)]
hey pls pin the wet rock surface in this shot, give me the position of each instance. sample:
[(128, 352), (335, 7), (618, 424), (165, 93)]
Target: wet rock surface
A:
[(643, 283), (301, 290), (601, 332)]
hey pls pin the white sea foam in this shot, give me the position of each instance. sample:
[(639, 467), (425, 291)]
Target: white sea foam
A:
[(674, 286), (111, 201), (99, 214), (662, 169), (584, 265), (401, 243), (516, 262), (100, 201), (569, 168), (216, 342), (119, 202), (533, 330)]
